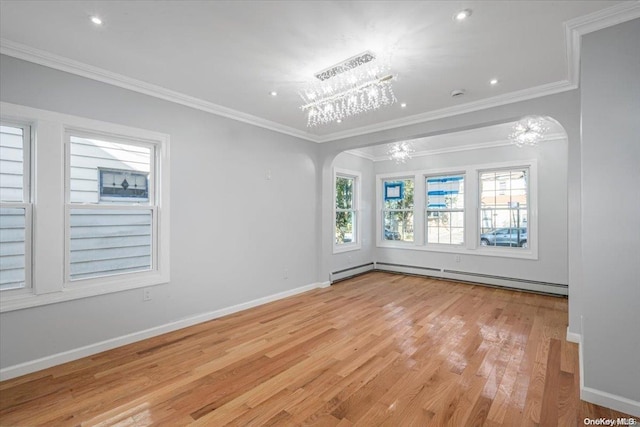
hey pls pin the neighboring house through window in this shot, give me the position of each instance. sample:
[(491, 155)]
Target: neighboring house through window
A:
[(111, 211), (84, 209), (504, 208), (445, 209), (15, 207)]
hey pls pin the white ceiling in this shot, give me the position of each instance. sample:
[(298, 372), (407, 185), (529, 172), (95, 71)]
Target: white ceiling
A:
[(226, 56)]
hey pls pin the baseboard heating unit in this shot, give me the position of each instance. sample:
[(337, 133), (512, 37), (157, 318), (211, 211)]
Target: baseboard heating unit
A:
[(536, 286)]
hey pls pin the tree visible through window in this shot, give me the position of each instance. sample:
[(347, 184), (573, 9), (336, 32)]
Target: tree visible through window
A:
[(398, 210), (345, 209)]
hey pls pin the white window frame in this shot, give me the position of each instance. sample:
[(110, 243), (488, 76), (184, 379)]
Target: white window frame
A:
[(26, 204), (417, 213), (472, 211), (531, 252), (427, 210), (357, 179), (144, 205), (49, 197)]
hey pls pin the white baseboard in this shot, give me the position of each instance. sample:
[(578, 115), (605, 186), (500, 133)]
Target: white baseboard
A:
[(516, 284), (78, 353), (619, 403), (573, 337), (599, 397)]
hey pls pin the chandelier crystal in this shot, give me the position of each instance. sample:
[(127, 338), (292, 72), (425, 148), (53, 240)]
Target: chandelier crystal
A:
[(400, 152), (528, 131), (359, 84)]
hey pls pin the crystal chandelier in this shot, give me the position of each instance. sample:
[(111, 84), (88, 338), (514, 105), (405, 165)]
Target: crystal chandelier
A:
[(528, 131), (359, 84), (400, 152)]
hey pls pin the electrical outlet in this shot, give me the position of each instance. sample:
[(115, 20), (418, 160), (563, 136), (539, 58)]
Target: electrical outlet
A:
[(146, 294), (457, 258), (286, 273)]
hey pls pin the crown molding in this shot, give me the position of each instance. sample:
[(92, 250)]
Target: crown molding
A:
[(574, 30), (495, 101), (362, 152), (37, 56)]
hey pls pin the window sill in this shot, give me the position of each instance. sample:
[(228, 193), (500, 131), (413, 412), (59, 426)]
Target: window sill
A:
[(348, 247), (528, 254), (105, 286)]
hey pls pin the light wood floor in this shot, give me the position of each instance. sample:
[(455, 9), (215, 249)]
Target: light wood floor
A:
[(379, 349)]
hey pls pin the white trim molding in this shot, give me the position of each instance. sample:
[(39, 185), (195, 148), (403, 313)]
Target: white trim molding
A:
[(48, 284), (599, 397), (91, 349), (574, 29), (57, 62), (578, 27)]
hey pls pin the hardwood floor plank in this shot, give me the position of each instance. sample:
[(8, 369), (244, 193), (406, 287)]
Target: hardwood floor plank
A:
[(378, 349)]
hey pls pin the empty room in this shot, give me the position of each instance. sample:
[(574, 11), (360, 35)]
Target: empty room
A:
[(371, 213)]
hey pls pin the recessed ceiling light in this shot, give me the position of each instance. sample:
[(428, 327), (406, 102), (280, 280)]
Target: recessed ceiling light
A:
[(339, 121), (403, 105), (462, 15), (493, 82), (96, 20), (273, 93)]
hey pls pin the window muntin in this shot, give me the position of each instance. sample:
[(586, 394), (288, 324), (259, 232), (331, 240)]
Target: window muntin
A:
[(397, 211), (345, 210), (504, 208), (111, 212), (445, 209), (15, 207)]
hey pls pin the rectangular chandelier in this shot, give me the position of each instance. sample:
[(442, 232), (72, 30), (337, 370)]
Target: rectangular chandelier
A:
[(356, 85)]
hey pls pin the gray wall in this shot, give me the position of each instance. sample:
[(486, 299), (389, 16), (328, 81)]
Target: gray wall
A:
[(611, 210), (233, 232)]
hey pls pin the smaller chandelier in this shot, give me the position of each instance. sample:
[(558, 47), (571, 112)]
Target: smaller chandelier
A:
[(400, 152), (359, 84), (528, 131)]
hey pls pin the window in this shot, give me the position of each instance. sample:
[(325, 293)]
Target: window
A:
[(397, 214), (15, 207), (487, 210), (504, 208), (111, 212), (99, 220), (346, 210), (445, 209)]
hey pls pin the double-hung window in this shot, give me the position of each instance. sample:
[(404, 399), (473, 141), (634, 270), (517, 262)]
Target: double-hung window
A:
[(346, 210), (15, 208), (445, 209), (84, 208), (111, 206), (504, 208), (397, 210)]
